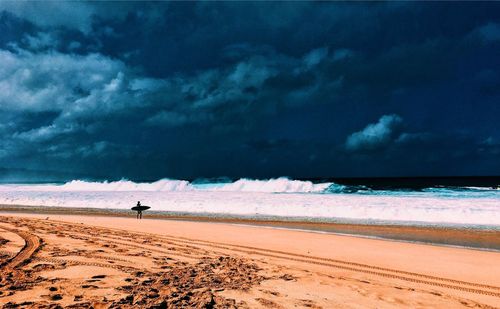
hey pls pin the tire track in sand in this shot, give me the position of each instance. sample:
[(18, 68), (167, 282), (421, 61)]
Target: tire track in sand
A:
[(417, 278), (464, 286), (217, 244), (31, 244)]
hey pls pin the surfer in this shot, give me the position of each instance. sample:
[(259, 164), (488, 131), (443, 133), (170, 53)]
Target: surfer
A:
[(139, 210)]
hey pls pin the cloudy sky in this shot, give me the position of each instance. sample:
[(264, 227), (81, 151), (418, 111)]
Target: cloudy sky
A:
[(248, 89)]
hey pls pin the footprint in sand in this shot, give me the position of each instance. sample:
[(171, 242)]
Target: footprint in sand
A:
[(56, 297), (267, 303), (99, 277), (308, 304), (274, 293)]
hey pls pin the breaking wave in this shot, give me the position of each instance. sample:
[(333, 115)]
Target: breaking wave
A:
[(305, 199), (277, 185)]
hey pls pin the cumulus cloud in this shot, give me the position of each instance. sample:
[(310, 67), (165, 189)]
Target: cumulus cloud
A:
[(374, 135), (229, 93), (82, 94), (51, 97), (51, 80)]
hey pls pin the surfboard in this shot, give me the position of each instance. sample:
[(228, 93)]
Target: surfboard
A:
[(140, 208)]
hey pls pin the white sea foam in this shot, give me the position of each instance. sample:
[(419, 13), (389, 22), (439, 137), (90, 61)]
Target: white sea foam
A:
[(277, 185), (121, 185), (257, 198), (282, 185)]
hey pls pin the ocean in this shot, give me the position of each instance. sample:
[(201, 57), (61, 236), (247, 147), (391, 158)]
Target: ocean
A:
[(463, 202)]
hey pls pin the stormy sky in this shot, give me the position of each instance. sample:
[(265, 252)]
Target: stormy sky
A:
[(248, 89)]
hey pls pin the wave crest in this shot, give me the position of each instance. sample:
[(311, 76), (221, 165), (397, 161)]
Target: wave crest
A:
[(277, 185)]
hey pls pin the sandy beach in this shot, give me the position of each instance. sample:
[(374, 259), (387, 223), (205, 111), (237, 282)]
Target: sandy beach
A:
[(249, 154), (80, 261)]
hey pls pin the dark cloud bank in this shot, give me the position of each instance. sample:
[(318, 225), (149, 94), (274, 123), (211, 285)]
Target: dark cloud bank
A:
[(187, 90)]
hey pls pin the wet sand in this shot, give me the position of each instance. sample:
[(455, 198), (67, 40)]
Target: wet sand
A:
[(454, 236), (79, 261)]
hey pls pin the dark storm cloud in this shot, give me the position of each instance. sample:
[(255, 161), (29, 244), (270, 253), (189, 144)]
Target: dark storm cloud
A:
[(148, 90)]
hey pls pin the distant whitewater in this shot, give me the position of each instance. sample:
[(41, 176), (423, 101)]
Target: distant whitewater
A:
[(280, 197)]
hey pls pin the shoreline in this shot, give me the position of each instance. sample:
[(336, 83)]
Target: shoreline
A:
[(467, 238)]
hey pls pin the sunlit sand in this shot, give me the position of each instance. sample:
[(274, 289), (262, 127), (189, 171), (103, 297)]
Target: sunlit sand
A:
[(123, 262)]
